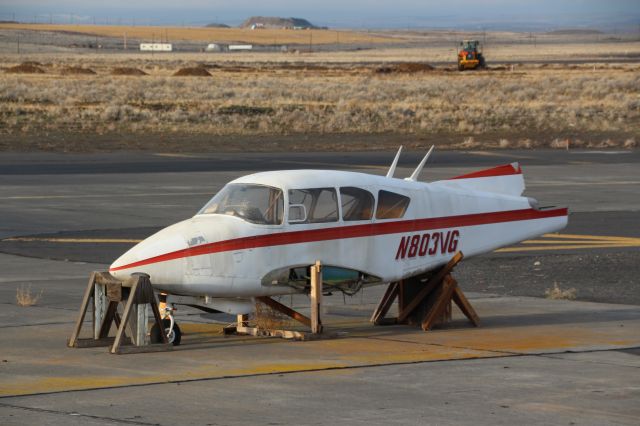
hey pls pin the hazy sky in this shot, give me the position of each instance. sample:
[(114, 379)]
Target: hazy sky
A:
[(338, 13)]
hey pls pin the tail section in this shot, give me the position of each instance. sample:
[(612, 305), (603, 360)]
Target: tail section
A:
[(506, 179)]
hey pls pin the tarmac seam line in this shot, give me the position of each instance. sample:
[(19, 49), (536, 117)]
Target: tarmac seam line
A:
[(75, 414), (553, 356)]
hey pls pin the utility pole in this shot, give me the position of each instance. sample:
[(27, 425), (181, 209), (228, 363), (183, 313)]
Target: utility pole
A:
[(18, 44), (125, 41), (310, 41)]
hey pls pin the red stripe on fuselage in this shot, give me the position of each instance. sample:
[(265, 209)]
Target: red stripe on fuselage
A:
[(354, 231)]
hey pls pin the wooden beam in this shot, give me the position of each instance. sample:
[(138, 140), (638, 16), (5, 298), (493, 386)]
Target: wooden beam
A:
[(316, 297), (385, 303), (440, 305), (429, 286), (277, 306), (109, 316), (88, 294), (461, 300), (243, 320), (157, 318), (125, 319)]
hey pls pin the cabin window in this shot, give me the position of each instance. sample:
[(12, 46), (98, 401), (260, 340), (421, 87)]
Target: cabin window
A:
[(357, 203), (391, 205), (314, 205), (259, 204)]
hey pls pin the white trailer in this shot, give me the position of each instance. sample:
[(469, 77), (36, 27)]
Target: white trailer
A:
[(240, 47), (156, 47)]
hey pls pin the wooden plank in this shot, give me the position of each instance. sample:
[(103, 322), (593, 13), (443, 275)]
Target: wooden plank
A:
[(285, 310), (158, 319), (125, 319), (461, 300), (440, 305), (109, 316), (387, 321), (385, 303), (88, 294), (429, 286), (100, 304), (142, 320), (417, 300), (243, 320), (316, 297), (96, 343), (155, 347), (285, 334)]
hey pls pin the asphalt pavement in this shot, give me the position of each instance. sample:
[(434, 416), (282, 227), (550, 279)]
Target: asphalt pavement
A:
[(93, 207), (531, 361)]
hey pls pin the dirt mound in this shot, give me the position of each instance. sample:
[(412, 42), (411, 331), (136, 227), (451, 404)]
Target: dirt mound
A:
[(216, 25), (127, 71), (192, 72), (276, 22), (25, 68), (77, 71), (404, 67)]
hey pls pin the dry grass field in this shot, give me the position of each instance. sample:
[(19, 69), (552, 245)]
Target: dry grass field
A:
[(334, 93), (240, 35)]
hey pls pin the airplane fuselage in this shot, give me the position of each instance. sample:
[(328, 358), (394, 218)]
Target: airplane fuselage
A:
[(384, 228)]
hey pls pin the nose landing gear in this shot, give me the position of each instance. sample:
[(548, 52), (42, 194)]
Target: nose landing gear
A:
[(170, 326)]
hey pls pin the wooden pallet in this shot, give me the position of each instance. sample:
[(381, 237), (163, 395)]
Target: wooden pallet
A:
[(314, 323)]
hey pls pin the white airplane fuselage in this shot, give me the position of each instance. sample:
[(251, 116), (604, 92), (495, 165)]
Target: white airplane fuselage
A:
[(237, 253)]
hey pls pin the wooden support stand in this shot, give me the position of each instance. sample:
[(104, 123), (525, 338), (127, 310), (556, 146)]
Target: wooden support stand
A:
[(314, 323), (425, 301), (107, 293)]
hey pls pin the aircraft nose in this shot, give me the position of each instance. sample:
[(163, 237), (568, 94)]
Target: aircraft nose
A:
[(143, 256)]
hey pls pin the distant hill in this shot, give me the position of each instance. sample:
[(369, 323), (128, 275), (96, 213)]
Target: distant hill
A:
[(275, 22), (577, 31), (216, 25)]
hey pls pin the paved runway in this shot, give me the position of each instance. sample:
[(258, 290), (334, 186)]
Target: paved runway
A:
[(533, 360), (93, 207)]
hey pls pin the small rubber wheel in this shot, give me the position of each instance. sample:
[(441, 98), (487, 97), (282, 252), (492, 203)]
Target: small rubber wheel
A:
[(175, 336)]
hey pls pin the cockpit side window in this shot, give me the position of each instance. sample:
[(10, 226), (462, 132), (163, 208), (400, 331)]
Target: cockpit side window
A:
[(357, 203), (317, 205), (391, 205), (260, 204)]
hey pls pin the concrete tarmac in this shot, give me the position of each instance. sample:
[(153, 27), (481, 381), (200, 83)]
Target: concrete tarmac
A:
[(532, 361)]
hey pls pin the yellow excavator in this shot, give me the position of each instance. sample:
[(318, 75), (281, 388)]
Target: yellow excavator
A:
[(470, 55)]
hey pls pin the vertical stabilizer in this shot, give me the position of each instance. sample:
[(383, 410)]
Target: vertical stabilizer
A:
[(392, 169), (416, 172)]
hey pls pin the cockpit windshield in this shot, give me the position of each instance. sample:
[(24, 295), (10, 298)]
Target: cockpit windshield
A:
[(259, 204)]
